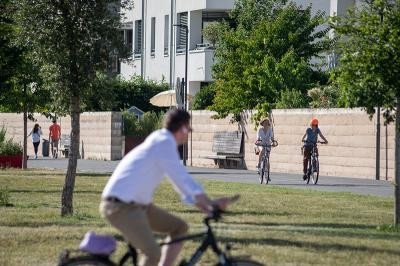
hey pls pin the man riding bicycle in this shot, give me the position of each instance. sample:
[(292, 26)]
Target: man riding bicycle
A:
[(127, 197), (310, 139)]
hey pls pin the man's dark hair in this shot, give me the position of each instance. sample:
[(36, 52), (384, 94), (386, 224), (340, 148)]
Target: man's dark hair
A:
[(175, 119)]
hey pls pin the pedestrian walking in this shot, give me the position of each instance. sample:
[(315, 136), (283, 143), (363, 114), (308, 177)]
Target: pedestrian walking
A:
[(54, 137), (36, 132)]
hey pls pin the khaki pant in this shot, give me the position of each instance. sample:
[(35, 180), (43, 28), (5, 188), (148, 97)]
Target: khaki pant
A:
[(137, 223)]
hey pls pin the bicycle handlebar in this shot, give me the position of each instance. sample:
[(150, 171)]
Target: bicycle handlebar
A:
[(274, 144), (318, 142)]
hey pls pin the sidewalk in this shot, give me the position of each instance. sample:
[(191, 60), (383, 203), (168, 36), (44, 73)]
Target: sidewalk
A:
[(331, 184)]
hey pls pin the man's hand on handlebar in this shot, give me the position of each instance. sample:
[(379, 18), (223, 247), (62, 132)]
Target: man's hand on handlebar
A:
[(323, 142), (222, 203), (207, 206)]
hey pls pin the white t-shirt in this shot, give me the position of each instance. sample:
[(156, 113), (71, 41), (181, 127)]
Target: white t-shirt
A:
[(265, 137), (141, 171), (35, 136)]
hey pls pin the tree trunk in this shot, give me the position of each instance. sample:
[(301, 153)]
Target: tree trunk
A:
[(397, 166), (68, 189), (25, 148)]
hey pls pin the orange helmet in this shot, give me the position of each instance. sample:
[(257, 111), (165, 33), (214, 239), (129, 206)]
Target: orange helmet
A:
[(314, 122)]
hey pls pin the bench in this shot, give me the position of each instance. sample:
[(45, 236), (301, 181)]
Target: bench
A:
[(65, 143), (228, 149)]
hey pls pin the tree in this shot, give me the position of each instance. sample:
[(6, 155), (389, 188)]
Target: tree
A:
[(112, 93), (212, 32), (74, 40), (369, 65), (19, 74), (204, 98), (263, 57)]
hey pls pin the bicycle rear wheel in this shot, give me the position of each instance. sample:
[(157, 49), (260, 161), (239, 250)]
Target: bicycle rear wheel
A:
[(309, 172), (87, 260), (315, 172), (238, 262)]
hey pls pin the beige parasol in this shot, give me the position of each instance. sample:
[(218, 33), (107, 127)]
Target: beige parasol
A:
[(166, 99)]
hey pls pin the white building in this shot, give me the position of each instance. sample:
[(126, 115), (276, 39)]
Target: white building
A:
[(159, 57)]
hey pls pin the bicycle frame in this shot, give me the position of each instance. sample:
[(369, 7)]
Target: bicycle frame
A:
[(209, 241)]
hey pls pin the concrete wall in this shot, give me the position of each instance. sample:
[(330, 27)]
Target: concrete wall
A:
[(100, 133), (351, 136)]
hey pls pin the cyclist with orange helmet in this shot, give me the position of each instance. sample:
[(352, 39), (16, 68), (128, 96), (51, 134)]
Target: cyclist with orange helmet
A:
[(310, 138)]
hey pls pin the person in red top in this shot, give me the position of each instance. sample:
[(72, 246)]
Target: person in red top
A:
[(54, 137)]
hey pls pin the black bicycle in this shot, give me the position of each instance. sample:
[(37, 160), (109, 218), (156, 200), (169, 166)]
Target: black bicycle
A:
[(313, 165), (209, 240), (265, 166)]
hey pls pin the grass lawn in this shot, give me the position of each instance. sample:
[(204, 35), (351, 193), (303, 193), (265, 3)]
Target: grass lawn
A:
[(276, 226)]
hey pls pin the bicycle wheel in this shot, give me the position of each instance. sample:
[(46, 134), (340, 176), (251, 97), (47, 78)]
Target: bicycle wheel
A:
[(87, 260), (261, 172), (267, 179), (315, 171), (239, 262), (309, 169)]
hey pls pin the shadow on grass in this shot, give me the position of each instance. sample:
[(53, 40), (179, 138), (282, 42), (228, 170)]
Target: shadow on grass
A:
[(241, 213), (311, 225), (311, 245), (53, 191)]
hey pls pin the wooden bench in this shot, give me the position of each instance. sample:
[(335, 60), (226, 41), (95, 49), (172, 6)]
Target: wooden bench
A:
[(228, 149), (65, 143)]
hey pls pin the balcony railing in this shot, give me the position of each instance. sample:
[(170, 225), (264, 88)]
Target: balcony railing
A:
[(180, 49)]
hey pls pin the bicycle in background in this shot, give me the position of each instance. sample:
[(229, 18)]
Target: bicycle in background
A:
[(265, 166), (313, 164)]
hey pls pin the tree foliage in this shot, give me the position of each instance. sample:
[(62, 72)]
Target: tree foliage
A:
[(262, 57), (369, 66)]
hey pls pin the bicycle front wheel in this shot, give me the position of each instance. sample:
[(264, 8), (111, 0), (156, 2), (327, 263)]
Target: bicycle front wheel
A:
[(262, 172), (237, 262), (87, 260), (315, 172), (267, 168)]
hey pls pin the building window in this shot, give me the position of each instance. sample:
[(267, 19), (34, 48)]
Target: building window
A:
[(181, 32), (138, 39), (166, 34), (153, 37), (128, 39)]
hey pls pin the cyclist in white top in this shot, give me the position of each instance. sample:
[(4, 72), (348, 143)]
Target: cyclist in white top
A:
[(265, 136), (127, 197)]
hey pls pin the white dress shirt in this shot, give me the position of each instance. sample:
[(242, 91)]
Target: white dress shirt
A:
[(141, 171)]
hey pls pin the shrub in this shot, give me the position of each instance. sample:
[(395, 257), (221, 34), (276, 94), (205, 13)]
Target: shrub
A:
[(8, 147), (204, 98), (144, 126), (324, 97), (3, 132)]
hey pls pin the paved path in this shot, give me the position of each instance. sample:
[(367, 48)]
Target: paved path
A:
[(332, 184)]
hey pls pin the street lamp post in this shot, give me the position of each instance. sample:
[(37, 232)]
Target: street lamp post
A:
[(185, 101)]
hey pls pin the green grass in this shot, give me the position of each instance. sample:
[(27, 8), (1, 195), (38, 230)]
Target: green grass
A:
[(276, 226)]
